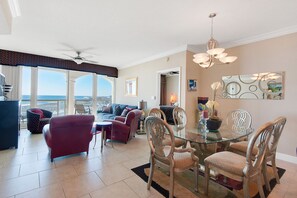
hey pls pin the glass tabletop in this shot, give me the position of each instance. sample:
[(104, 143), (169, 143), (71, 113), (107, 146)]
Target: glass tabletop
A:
[(224, 134)]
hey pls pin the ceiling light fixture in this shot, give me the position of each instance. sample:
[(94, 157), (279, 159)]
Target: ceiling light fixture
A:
[(207, 60)]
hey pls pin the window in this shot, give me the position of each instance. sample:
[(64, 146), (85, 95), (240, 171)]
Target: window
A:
[(104, 91), (52, 91)]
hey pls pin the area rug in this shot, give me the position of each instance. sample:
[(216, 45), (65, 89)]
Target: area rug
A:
[(184, 184)]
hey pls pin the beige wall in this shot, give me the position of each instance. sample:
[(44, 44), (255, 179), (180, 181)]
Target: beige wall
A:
[(278, 54), (147, 79)]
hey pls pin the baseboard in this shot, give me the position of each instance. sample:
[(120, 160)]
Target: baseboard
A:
[(287, 158)]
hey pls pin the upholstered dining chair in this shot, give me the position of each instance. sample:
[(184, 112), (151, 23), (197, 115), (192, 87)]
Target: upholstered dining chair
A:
[(176, 159), (270, 155), (239, 120), (157, 113), (238, 167), (179, 117), (160, 114)]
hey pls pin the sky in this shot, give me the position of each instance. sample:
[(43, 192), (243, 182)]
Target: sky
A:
[(54, 83)]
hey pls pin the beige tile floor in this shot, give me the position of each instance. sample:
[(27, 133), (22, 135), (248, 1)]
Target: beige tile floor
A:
[(27, 172)]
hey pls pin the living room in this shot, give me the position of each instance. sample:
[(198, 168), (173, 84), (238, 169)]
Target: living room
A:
[(271, 50)]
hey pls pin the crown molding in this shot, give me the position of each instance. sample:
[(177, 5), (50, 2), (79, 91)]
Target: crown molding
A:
[(155, 57), (198, 48), (261, 37)]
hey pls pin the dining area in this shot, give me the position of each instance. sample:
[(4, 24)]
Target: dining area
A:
[(233, 155)]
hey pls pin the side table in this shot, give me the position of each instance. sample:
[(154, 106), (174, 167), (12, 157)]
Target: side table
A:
[(100, 127)]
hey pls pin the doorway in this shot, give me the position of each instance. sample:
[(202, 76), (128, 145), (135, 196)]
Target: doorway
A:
[(169, 87)]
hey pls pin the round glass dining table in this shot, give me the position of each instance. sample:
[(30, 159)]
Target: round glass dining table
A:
[(207, 143)]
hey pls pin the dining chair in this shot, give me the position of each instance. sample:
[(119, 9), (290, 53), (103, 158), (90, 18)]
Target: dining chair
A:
[(176, 159), (157, 113), (160, 114), (270, 155), (238, 167), (239, 120), (179, 117)]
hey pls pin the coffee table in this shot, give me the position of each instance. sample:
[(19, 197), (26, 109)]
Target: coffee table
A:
[(100, 127)]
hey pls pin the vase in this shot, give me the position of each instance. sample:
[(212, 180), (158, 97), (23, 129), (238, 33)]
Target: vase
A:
[(213, 124)]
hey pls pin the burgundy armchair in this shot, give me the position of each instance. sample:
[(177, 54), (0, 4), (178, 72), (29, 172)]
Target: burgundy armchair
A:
[(66, 135), (124, 128), (37, 118)]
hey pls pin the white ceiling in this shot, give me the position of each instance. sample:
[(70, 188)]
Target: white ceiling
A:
[(122, 33)]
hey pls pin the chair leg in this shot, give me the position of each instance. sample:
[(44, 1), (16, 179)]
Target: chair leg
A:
[(152, 168), (260, 187), (171, 189), (275, 170), (206, 175), (246, 190), (264, 170), (196, 177)]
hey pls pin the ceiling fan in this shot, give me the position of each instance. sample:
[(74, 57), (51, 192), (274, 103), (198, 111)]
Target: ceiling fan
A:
[(78, 59)]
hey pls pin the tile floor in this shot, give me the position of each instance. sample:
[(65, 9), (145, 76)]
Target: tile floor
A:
[(27, 172)]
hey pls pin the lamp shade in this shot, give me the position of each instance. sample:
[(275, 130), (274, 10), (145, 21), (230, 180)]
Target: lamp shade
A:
[(228, 59), (215, 51), (142, 105)]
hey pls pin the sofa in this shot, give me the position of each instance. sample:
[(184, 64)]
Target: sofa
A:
[(110, 112), (70, 134), (124, 128)]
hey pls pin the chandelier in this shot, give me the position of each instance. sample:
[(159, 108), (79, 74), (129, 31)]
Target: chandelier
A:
[(207, 60)]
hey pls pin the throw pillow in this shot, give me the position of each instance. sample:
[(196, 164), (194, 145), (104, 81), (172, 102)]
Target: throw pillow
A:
[(126, 111), (38, 111), (117, 111), (106, 109)]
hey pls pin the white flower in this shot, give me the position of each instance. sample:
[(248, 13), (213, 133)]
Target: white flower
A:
[(212, 104), (216, 85)]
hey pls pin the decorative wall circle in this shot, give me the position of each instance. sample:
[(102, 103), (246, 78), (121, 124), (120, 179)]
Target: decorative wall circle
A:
[(249, 95), (268, 84), (233, 88), (247, 79), (253, 88)]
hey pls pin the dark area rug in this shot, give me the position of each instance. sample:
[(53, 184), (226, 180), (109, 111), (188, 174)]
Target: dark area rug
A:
[(184, 182)]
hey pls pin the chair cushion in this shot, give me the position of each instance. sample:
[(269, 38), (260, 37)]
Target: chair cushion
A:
[(242, 148), (178, 142), (227, 161), (38, 111), (181, 160)]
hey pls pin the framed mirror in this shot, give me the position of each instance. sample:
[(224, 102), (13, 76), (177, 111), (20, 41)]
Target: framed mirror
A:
[(131, 87), (268, 85)]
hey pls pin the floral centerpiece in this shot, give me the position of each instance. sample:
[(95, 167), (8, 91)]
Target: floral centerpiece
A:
[(214, 122)]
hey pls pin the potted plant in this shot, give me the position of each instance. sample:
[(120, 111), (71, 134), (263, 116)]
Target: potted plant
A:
[(214, 122)]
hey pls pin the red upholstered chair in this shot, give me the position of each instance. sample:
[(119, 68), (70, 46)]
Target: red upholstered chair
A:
[(124, 128), (66, 135), (37, 118)]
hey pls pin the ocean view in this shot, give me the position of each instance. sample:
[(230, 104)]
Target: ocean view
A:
[(57, 103)]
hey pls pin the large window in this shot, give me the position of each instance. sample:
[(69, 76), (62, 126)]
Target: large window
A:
[(104, 91), (83, 90), (26, 91), (51, 91)]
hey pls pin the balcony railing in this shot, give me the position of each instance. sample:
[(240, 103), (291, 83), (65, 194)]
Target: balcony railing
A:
[(58, 106)]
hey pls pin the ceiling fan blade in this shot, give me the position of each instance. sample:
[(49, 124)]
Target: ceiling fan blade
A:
[(69, 56), (90, 61)]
